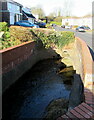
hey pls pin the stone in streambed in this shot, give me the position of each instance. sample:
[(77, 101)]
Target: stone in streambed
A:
[(56, 108)]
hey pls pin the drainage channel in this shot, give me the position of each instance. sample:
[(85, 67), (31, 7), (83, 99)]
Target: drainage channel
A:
[(42, 92)]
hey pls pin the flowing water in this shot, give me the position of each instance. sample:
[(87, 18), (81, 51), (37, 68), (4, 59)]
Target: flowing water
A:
[(31, 94)]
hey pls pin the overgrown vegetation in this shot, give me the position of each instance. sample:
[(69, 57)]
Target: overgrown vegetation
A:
[(5, 39), (4, 26), (18, 35), (58, 38)]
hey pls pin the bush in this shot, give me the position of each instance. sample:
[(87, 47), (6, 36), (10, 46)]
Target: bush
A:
[(57, 23), (5, 43), (58, 38), (75, 26), (3, 26)]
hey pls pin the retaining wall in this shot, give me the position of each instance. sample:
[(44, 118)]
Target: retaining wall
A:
[(87, 63), (19, 59), (82, 61), (86, 109)]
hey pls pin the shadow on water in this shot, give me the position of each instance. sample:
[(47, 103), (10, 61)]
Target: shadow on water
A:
[(32, 93)]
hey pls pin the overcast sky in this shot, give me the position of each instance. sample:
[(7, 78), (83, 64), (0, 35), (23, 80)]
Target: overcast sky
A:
[(77, 7)]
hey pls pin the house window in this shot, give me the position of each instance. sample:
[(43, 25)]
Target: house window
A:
[(17, 17), (13, 8), (18, 8), (9, 6)]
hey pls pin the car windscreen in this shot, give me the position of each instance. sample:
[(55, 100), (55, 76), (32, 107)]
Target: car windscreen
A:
[(81, 27)]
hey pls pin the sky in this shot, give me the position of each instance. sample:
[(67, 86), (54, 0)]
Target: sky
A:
[(76, 7)]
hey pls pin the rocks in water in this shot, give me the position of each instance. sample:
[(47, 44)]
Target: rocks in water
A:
[(77, 92), (60, 65), (68, 72), (56, 108), (67, 61)]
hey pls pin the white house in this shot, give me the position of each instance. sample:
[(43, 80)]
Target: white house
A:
[(80, 21)]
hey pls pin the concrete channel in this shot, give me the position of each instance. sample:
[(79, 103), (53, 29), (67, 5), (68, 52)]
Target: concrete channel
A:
[(44, 90), (39, 83), (41, 86)]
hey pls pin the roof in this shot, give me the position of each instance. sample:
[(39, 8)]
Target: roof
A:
[(28, 15), (11, 1)]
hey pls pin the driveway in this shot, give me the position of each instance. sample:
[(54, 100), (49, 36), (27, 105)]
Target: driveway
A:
[(86, 36)]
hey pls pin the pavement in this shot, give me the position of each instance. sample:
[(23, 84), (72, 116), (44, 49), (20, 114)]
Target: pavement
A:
[(86, 36)]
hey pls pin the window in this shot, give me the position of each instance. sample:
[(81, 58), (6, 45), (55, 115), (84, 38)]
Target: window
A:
[(13, 8), (9, 6)]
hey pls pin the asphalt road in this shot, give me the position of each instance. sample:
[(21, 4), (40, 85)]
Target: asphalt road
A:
[(86, 36)]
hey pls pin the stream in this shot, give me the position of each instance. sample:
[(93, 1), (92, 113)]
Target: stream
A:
[(32, 93)]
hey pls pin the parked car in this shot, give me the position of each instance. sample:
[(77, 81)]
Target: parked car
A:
[(53, 25), (80, 29), (41, 24), (67, 27), (25, 23), (63, 26), (86, 27)]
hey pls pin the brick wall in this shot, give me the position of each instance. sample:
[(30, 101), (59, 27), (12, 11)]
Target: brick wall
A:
[(19, 59), (15, 55)]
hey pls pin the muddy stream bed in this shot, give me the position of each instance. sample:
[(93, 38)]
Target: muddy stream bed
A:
[(40, 93)]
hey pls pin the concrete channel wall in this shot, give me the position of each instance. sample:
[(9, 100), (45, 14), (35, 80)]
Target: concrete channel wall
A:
[(84, 110), (87, 63), (19, 59), (82, 61)]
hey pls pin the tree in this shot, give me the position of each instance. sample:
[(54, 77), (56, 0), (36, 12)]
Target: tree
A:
[(67, 9), (51, 16), (38, 11), (58, 19)]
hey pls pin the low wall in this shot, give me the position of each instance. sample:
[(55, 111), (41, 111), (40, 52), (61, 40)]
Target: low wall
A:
[(82, 61), (19, 59), (87, 63)]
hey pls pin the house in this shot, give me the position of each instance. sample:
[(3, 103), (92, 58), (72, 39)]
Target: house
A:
[(27, 15), (10, 11), (78, 21)]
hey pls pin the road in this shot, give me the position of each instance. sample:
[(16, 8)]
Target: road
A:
[(86, 36)]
